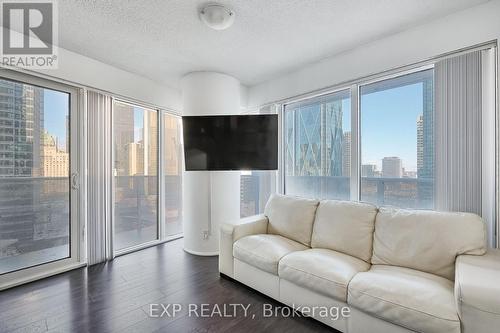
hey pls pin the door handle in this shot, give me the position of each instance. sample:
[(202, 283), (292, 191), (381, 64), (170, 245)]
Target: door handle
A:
[(75, 185)]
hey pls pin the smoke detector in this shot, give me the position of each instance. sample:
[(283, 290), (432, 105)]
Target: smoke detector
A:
[(216, 16)]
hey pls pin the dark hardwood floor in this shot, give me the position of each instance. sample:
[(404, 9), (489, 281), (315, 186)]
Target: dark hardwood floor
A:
[(116, 297)]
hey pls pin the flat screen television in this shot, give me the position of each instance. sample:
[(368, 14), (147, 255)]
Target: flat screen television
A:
[(242, 142)]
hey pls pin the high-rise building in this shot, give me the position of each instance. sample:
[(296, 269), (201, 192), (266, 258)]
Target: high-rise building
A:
[(426, 169), (255, 189), (135, 158), (346, 154), (318, 137), (123, 135), (150, 137), (420, 143), (392, 167), (425, 145), (331, 138), (171, 152), (21, 126), (172, 166), (249, 195), (54, 161), (368, 170)]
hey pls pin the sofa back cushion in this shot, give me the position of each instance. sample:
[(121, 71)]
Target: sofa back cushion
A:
[(345, 226), (426, 240), (291, 217)]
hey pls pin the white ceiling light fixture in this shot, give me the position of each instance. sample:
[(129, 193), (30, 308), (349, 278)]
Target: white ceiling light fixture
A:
[(217, 16)]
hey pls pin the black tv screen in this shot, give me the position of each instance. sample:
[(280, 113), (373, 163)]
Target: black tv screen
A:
[(243, 142)]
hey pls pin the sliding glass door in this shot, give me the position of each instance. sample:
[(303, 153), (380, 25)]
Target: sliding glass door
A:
[(39, 180), (135, 172), (147, 185)]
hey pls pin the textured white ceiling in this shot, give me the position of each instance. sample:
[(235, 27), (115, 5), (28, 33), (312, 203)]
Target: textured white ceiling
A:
[(164, 39)]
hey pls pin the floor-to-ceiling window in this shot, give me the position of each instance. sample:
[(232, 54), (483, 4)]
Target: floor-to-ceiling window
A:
[(172, 168), (39, 180), (389, 146), (135, 172), (397, 141), (317, 146)]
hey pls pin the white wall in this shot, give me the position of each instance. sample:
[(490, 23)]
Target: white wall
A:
[(472, 26), (88, 72)]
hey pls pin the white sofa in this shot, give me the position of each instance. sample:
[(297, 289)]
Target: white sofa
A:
[(396, 270)]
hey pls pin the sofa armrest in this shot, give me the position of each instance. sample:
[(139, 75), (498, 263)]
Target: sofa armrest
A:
[(231, 232), (477, 291)]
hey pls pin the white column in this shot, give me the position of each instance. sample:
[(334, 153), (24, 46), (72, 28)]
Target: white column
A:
[(209, 197)]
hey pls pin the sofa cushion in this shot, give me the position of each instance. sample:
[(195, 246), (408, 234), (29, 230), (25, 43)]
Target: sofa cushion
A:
[(345, 226), (264, 251), (324, 271), (291, 217), (428, 241), (416, 300)]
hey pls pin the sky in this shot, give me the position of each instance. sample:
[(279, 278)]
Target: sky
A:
[(389, 125), (56, 107)]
